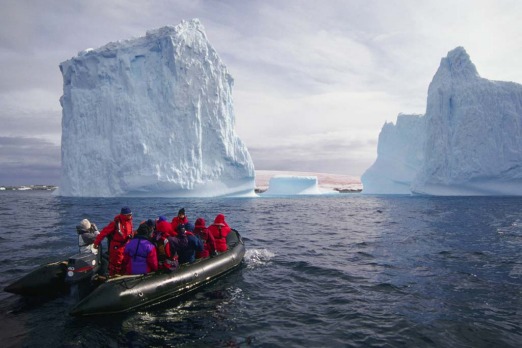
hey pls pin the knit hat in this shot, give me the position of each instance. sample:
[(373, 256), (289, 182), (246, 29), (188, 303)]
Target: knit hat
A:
[(125, 211), (200, 223), (181, 211), (180, 229), (162, 218), (144, 229), (85, 225), (189, 227)]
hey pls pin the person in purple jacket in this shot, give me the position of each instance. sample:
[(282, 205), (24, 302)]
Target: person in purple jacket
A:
[(140, 255)]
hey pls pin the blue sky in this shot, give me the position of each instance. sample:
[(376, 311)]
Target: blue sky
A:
[(314, 81)]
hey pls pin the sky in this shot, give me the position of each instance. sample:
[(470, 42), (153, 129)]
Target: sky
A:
[(314, 81)]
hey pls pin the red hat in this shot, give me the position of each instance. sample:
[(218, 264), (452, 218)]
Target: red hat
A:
[(220, 220), (200, 223)]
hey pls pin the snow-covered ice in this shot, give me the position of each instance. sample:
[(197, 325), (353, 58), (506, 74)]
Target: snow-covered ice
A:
[(469, 142), (152, 116)]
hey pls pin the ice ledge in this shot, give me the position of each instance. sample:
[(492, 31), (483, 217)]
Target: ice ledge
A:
[(476, 188)]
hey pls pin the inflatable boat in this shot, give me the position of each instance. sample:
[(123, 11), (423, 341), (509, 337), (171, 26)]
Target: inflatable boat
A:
[(126, 293), (129, 292)]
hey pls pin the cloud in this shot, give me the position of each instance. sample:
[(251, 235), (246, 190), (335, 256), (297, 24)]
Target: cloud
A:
[(334, 152), (32, 113), (28, 161), (302, 68)]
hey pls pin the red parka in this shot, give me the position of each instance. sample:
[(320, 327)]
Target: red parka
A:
[(219, 230), (209, 244), (119, 232), (177, 221), (164, 228)]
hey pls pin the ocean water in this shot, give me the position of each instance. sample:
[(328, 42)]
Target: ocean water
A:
[(332, 271)]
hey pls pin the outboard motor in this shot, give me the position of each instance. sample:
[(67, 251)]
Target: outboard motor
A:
[(81, 268), (79, 274)]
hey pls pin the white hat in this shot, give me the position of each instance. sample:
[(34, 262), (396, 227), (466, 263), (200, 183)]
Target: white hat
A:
[(85, 224)]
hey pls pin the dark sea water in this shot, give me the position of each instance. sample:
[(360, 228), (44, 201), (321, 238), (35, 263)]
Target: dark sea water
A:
[(333, 271)]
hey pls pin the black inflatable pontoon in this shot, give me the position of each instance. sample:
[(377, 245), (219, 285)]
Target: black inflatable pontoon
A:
[(58, 277), (123, 294)]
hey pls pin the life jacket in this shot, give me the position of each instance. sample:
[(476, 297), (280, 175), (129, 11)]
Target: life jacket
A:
[(122, 231), (118, 232), (166, 260)]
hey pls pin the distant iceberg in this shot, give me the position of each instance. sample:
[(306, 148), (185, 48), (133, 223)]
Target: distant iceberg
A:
[(152, 116), (288, 185), (469, 142)]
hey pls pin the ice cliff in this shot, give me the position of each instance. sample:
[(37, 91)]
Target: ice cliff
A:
[(469, 142), (399, 157), (152, 116)]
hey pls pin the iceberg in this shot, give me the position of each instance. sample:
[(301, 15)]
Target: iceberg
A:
[(152, 116), (288, 185), (399, 157), (469, 142), (327, 182)]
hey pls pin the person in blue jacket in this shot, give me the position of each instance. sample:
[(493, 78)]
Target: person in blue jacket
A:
[(184, 245)]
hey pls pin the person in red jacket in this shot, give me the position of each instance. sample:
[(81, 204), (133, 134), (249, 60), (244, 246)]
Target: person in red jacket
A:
[(118, 232), (159, 238), (209, 244), (164, 228), (220, 229), (181, 219)]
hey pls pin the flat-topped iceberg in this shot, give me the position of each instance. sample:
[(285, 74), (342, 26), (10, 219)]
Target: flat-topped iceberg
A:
[(152, 116), (286, 185)]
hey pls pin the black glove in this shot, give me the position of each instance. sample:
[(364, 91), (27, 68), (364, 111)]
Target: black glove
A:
[(214, 253)]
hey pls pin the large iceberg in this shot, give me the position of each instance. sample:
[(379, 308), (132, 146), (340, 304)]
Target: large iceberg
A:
[(152, 116), (469, 142)]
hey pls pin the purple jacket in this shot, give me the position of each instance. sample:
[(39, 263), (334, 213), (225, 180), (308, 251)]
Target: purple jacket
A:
[(140, 256)]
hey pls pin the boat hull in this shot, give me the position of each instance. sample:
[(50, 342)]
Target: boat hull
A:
[(45, 280), (57, 277), (127, 293)]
